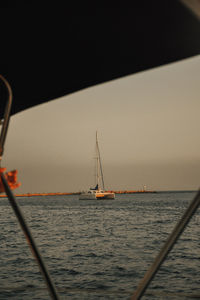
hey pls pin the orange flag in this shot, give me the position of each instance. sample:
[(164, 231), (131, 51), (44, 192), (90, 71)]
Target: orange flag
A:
[(11, 178)]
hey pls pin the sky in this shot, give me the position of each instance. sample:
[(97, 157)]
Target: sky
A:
[(148, 127)]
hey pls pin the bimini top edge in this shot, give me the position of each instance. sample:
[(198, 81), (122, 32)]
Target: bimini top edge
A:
[(51, 51)]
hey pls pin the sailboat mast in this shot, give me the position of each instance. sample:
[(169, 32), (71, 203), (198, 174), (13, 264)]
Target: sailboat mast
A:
[(99, 165)]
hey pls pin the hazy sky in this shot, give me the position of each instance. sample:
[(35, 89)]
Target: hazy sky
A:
[(148, 125)]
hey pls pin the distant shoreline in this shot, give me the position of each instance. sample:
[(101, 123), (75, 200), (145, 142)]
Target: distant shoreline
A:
[(76, 193), (116, 192)]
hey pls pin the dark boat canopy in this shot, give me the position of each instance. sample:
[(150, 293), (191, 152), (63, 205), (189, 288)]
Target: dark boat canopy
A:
[(51, 50)]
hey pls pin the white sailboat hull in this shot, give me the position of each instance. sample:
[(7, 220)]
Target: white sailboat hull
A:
[(96, 195), (87, 196)]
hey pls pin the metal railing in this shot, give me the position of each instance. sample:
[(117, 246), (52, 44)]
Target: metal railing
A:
[(170, 242), (13, 202)]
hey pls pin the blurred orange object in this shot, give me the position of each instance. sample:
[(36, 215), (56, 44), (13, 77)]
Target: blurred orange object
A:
[(11, 178)]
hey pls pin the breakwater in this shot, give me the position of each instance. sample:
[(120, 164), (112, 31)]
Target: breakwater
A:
[(78, 193)]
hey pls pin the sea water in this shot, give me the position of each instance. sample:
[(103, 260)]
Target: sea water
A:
[(99, 249)]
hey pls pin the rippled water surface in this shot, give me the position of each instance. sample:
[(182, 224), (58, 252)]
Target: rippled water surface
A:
[(99, 249)]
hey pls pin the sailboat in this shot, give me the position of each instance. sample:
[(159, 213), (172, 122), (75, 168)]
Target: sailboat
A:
[(98, 192)]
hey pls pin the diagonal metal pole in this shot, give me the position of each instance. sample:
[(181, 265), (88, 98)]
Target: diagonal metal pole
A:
[(167, 247), (29, 238), (6, 117)]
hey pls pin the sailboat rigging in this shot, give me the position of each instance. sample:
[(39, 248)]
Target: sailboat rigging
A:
[(99, 191)]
